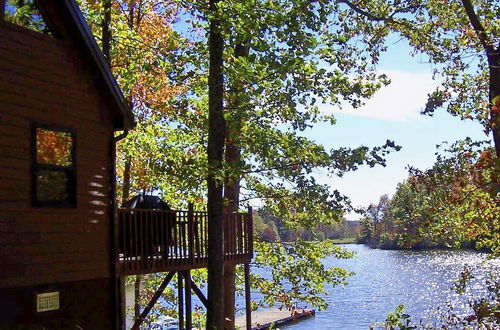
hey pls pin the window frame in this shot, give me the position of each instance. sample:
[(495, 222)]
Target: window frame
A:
[(2, 10), (71, 186)]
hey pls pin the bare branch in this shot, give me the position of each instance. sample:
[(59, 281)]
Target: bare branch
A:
[(277, 196), (386, 19), (364, 12)]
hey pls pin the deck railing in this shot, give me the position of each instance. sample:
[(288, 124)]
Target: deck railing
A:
[(160, 240)]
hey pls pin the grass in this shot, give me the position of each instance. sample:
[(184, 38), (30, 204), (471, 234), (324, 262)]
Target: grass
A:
[(345, 240)]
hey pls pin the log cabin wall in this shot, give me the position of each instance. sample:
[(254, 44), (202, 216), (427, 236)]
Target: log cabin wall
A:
[(46, 81)]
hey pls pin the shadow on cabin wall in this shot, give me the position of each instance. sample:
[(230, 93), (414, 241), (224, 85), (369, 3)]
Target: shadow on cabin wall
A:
[(78, 310)]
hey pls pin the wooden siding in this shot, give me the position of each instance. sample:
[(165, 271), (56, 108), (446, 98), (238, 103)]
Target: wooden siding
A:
[(45, 81), (83, 305)]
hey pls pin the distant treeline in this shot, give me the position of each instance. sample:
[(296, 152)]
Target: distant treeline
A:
[(271, 228), (456, 203)]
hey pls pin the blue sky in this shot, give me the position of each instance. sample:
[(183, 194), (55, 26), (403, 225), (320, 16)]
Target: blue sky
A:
[(392, 114)]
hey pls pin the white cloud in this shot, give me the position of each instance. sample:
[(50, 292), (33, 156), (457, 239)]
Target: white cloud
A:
[(402, 100)]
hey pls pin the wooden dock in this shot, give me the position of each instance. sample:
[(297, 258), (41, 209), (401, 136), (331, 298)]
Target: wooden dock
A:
[(274, 317)]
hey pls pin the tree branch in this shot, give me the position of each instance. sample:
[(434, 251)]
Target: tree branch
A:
[(277, 196), (285, 166), (286, 244), (364, 12), (478, 27), (389, 19)]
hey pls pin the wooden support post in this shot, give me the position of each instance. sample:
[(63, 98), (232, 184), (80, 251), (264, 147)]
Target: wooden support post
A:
[(187, 291), (250, 232), (121, 313), (198, 293), (180, 297), (248, 300), (153, 301)]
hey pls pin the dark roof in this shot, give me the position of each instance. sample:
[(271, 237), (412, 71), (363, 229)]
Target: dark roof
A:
[(149, 202), (76, 17)]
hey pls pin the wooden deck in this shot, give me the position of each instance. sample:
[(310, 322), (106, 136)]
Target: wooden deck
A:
[(153, 241)]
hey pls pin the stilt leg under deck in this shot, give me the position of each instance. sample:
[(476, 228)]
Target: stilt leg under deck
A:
[(248, 300), (153, 301), (187, 286), (198, 293), (180, 296), (122, 314)]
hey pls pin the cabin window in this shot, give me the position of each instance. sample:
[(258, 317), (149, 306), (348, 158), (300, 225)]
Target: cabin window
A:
[(24, 13), (54, 179)]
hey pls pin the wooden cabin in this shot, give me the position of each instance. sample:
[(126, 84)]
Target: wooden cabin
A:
[(59, 110), (64, 249)]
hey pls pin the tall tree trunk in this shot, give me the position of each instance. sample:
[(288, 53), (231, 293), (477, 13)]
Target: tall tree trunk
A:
[(137, 296), (494, 63), (106, 31), (231, 197), (216, 133), (106, 50), (237, 103)]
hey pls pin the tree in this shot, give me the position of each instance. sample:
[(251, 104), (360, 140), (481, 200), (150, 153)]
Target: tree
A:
[(215, 151), (474, 31), (274, 74), (462, 193), (143, 53), (379, 216), (463, 47), (25, 13), (136, 39), (366, 230), (452, 203), (410, 213)]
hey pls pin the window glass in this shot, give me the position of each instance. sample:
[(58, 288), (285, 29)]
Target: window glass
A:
[(54, 182), (51, 186), (54, 147), (26, 14)]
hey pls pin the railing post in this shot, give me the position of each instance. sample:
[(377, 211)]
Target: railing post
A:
[(142, 236), (250, 232), (190, 229)]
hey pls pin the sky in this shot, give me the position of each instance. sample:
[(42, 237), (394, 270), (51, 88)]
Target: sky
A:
[(393, 113)]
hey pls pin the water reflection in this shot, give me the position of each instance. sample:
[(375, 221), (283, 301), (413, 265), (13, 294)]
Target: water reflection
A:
[(421, 280)]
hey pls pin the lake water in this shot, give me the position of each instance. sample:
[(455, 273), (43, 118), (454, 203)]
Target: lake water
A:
[(421, 280)]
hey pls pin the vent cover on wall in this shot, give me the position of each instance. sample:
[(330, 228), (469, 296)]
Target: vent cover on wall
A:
[(47, 301)]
